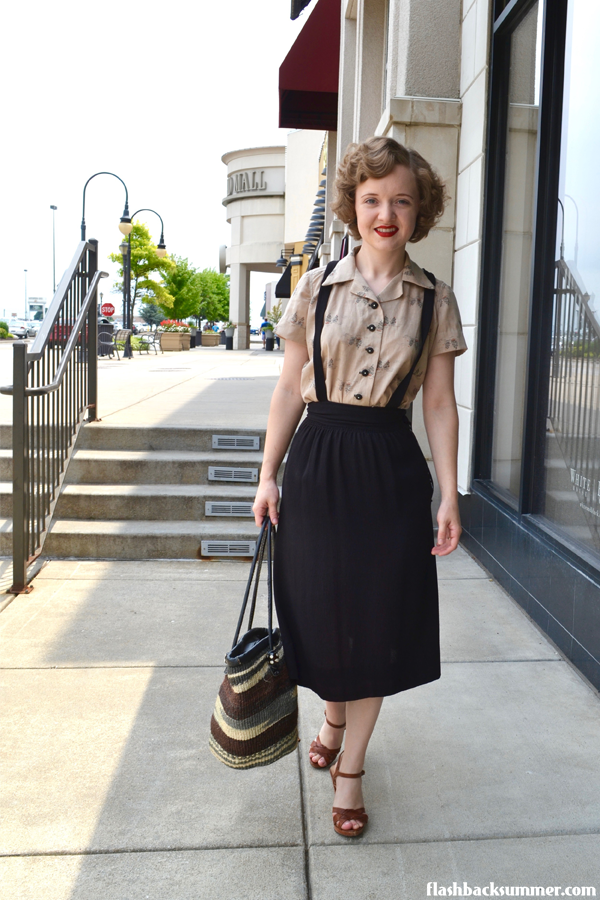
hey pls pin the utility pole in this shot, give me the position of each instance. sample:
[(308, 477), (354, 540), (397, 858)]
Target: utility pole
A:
[(53, 208)]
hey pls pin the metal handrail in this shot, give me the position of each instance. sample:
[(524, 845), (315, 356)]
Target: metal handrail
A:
[(574, 395), (582, 296), (47, 327), (54, 389), (69, 348)]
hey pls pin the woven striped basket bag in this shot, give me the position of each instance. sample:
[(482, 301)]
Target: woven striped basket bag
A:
[(255, 720)]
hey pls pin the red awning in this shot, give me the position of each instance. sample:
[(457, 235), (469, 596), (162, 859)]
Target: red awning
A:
[(308, 76)]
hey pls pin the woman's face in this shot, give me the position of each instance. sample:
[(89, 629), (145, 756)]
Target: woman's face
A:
[(387, 209)]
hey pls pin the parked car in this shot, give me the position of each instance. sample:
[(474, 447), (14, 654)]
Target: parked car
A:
[(33, 326), (18, 327), (61, 332)]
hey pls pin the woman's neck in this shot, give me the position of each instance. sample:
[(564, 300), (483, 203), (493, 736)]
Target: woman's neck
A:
[(378, 269)]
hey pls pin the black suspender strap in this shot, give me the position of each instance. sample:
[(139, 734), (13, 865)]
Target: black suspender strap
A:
[(426, 317), (322, 301)]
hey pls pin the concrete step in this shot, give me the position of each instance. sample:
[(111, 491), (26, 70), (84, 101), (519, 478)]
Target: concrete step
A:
[(170, 502), (155, 467), (85, 539), (5, 437), (5, 537), (6, 464), (6, 499), (98, 436)]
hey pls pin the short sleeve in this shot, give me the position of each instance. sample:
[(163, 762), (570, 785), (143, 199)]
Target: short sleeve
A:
[(292, 325), (449, 333)]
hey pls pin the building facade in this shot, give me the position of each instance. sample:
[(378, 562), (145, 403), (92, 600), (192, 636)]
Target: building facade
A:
[(254, 200), (497, 95)]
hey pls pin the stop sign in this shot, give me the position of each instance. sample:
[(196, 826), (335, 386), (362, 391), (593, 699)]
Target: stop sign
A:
[(107, 309)]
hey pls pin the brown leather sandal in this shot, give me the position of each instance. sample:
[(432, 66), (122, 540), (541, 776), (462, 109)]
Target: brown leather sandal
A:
[(347, 815), (328, 755)]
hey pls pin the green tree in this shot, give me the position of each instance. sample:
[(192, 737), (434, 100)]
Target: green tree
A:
[(183, 285), (214, 296), (151, 314), (275, 313), (144, 262)]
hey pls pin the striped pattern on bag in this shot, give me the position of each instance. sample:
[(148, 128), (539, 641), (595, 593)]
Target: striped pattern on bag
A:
[(255, 722)]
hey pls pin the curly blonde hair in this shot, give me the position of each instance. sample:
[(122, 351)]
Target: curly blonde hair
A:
[(376, 158)]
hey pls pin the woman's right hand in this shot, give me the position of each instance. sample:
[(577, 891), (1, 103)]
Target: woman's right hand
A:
[(266, 501)]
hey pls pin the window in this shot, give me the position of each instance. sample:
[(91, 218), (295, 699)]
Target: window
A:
[(572, 446), (520, 140)]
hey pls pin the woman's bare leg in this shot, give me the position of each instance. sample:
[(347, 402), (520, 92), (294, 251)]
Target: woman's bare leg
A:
[(331, 737), (361, 716)]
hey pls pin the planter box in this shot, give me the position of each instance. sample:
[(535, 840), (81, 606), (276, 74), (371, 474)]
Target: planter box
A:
[(185, 341), (210, 339), (171, 340)]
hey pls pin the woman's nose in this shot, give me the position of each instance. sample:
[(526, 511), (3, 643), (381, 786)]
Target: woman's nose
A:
[(387, 211)]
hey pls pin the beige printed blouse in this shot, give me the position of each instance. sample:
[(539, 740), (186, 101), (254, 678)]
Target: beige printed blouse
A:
[(370, 341)]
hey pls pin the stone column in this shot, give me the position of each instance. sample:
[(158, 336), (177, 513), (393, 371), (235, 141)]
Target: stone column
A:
[(239, 304)]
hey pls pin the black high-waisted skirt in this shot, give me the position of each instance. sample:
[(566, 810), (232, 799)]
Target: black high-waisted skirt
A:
[(355, 582)]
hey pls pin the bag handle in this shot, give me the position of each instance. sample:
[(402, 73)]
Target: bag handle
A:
[(266, 541)]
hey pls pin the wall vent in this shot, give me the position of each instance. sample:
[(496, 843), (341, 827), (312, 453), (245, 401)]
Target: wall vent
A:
[(227, 548), (232, 473), (235, 442), (217, 508)]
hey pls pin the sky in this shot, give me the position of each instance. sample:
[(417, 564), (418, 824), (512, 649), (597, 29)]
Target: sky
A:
[(155, 92)]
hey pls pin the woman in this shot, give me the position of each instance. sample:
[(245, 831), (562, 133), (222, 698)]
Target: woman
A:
[(355, 572)]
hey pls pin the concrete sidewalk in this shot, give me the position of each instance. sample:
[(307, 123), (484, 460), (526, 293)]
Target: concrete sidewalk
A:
[(205, 386), (110, 672)]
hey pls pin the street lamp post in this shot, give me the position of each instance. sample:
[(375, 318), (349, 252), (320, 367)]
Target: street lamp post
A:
[(53, 208), (25, 271), (124, 227), (125, 223), (125, 248)]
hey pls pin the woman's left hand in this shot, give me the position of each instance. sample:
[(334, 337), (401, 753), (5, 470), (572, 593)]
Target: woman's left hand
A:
[(449, 528)]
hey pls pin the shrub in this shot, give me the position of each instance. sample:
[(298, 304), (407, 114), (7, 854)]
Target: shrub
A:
[(3, 332), (174, 325)]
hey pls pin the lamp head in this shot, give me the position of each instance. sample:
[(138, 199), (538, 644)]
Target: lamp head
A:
[(125, 225), (161, 250), (124, 247)]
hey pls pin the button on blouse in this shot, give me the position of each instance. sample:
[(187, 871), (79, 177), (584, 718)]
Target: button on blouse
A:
[(360, 325)]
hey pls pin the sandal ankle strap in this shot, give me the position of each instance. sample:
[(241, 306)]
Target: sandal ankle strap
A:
[(348, 775), (331, 725)]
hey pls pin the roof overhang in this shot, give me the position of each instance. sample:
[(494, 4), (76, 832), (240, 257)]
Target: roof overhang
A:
[(308, 76)]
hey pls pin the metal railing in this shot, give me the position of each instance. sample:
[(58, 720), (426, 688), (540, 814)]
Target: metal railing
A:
[(574, 399), (55, 385)]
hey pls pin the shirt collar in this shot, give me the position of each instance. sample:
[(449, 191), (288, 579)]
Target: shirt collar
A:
[(346, 270)]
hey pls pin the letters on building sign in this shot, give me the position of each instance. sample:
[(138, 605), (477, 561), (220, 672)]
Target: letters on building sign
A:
[(248, 182), (590, 487)]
